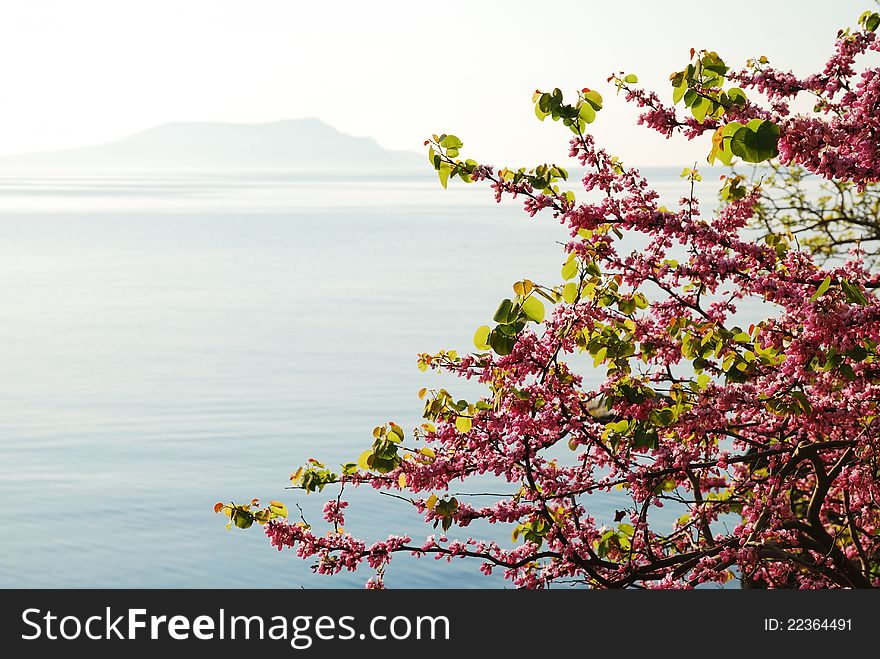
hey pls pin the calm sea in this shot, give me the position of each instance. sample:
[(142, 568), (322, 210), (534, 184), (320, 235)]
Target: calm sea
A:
[(170, 341)]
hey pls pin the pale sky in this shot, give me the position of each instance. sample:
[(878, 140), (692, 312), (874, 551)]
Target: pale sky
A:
[(78, 73)]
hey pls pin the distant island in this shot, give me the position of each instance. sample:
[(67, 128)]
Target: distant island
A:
[(288, 145)]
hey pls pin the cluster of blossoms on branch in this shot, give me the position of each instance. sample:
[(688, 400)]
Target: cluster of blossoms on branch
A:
[(764, 439), (839, 140)]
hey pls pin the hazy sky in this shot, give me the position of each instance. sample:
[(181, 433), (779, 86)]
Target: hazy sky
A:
[(76, 73)]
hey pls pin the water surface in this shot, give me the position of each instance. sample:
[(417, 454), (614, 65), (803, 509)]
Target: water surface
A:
[(169, 341)]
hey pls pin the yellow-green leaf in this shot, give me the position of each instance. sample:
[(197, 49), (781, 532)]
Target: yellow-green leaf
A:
[(823, 287), (481, 337), (570, 269), (278, 508), (594, 98), (533, 309), (396, 430), (443, 173)]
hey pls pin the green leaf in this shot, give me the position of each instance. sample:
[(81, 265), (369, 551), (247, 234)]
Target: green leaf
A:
[(395, 433), (504, 314), (533, 308), (645, 438), (481, 337), (870, 20), (679, 91), (384, 465), (803, 401), (511, 329), (627, 305), (733, 190), (631, 79), (501, 343), (278, 508), (858, 353), (853, 293), (736, 95), (587, 113), (451, 142), (544, 103), (729, 129), (444, 171), (701, 108), (364, 460), (766, 138), (756, 141), (242, 519), (570, 269), (569, 292), (824, 286), (667, 485), (594, 98), (725, 155), (463, 424), (720, 148), (662, 417)]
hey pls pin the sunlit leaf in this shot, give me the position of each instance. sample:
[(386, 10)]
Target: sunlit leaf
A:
[(823, 287), (534, 309), (481, 337)]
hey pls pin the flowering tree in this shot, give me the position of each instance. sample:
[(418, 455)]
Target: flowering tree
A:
[(764, 438)]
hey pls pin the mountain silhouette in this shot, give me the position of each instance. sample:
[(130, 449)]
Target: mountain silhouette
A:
[(288, 145)]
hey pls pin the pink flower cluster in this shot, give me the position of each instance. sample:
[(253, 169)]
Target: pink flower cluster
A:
[(766, 439), (334, 511), (841, 140)]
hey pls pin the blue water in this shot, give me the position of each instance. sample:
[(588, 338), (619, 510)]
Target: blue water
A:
[(168, 342)]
